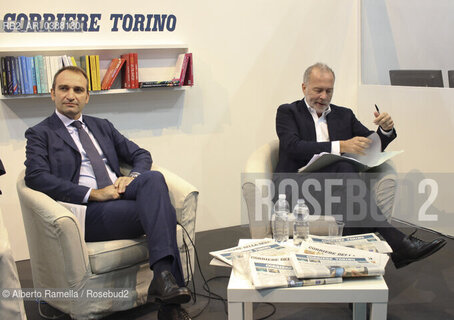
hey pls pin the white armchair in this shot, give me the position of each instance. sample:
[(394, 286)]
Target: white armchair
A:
[(60, 257), (264, 160)]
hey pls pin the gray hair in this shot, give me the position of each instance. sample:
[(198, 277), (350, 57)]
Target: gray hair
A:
[(321, 67)]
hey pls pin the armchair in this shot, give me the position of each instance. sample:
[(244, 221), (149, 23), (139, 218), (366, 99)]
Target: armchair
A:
[(264, 160), (60, 257)]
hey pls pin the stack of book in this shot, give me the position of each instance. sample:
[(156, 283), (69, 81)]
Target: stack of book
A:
[(90, 64), (30, 75)]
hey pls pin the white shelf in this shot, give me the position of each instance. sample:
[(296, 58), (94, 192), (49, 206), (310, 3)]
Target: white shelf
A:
[(95, 93), (156, 62)]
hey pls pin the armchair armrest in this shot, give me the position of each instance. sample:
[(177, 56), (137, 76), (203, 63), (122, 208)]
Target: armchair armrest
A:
[(54, 238), (183, 196)]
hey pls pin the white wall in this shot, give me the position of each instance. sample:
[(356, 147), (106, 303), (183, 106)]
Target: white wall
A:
[(406, 34), (249, 57), (410, 34)]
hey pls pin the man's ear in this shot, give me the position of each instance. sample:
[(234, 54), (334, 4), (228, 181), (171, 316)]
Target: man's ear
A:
[(303, 87), (52, 94)]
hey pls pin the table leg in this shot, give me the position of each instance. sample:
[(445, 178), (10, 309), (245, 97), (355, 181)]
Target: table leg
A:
[(378, 311), (240, 310), (359, 311)]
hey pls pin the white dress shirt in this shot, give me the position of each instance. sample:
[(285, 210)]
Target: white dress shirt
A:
[(321, 128)]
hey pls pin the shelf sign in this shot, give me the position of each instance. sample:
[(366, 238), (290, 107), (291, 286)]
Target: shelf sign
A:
[(86, 22)]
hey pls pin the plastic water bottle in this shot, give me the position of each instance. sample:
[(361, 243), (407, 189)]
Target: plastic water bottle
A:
[(301, 223), (280, 219)]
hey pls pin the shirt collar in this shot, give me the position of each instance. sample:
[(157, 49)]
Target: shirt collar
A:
[(67, 121)]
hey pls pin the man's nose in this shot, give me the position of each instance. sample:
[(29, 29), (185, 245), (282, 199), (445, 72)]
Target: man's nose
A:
[(70, 94)]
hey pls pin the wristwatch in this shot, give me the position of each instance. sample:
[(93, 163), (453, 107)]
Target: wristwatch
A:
[(134, 175)]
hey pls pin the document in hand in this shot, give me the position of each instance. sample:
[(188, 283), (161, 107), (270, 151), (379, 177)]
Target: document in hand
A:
[(373, 158)]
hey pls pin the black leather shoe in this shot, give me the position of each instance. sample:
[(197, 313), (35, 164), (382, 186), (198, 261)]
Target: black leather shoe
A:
[(414, 249), (164, 288), (172, 312)]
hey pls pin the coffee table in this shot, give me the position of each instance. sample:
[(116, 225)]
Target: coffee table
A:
[(359, 291)]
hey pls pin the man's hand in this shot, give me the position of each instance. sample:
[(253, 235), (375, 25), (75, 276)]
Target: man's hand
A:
[(355, 145), (122, 183), (384, 121), (104, 194)]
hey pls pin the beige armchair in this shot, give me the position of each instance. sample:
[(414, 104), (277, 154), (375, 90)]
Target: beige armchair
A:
[(60, 258), (265, 159)]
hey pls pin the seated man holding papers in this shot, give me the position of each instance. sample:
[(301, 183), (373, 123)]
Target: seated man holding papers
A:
[(311, 126)]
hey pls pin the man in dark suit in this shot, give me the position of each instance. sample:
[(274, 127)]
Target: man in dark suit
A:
[(313, 125), (76, 158)]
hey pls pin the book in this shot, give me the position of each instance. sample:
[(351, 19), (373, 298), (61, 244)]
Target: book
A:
[(136, 69), (9, 74), (42, 74), (126, 75), (98, 74), (73, 61), (189, 78), (373, 158), (33, 75), (94, 72), (183, 70), (48, 72), (112, 72), (152, 84), (3, 75), (85, 65), (37, 74), (29, 74), (133, 69), (17, 67)]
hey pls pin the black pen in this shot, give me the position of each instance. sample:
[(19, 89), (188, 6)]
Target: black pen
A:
[(378, 110)]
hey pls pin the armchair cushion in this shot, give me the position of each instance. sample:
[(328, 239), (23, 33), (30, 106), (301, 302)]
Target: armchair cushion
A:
[(107, 256)]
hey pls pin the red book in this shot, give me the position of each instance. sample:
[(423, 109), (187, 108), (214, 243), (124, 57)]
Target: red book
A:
[(111, 73), (136, 68), (126, 80), (189, 76), (183, 70), (132, 70)]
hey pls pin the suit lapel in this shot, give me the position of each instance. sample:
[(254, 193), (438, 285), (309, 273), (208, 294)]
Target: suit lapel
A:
[(60, 130), (332, 120)]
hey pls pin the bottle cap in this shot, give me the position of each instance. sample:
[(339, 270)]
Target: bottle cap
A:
[(282, 196)]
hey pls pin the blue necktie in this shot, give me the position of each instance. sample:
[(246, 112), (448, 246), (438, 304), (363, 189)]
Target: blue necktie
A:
[(99, 167)]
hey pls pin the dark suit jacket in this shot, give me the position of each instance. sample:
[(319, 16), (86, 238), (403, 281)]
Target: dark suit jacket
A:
[(53, 160), (297, 137)]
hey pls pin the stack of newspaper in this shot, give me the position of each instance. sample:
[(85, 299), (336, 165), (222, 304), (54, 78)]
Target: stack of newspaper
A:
[(319, 260)]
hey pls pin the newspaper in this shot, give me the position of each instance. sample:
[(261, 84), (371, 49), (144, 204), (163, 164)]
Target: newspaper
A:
[(368, 241), (373, 157), (273, 272), (321, 266), (316, 248), (265, 247)]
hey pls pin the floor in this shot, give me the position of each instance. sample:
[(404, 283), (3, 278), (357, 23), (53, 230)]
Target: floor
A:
[(423, 290)]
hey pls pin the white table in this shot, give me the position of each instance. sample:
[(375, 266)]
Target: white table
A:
[(359, 291)]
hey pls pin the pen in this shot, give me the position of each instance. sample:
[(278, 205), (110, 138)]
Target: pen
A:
[(378, 110)]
